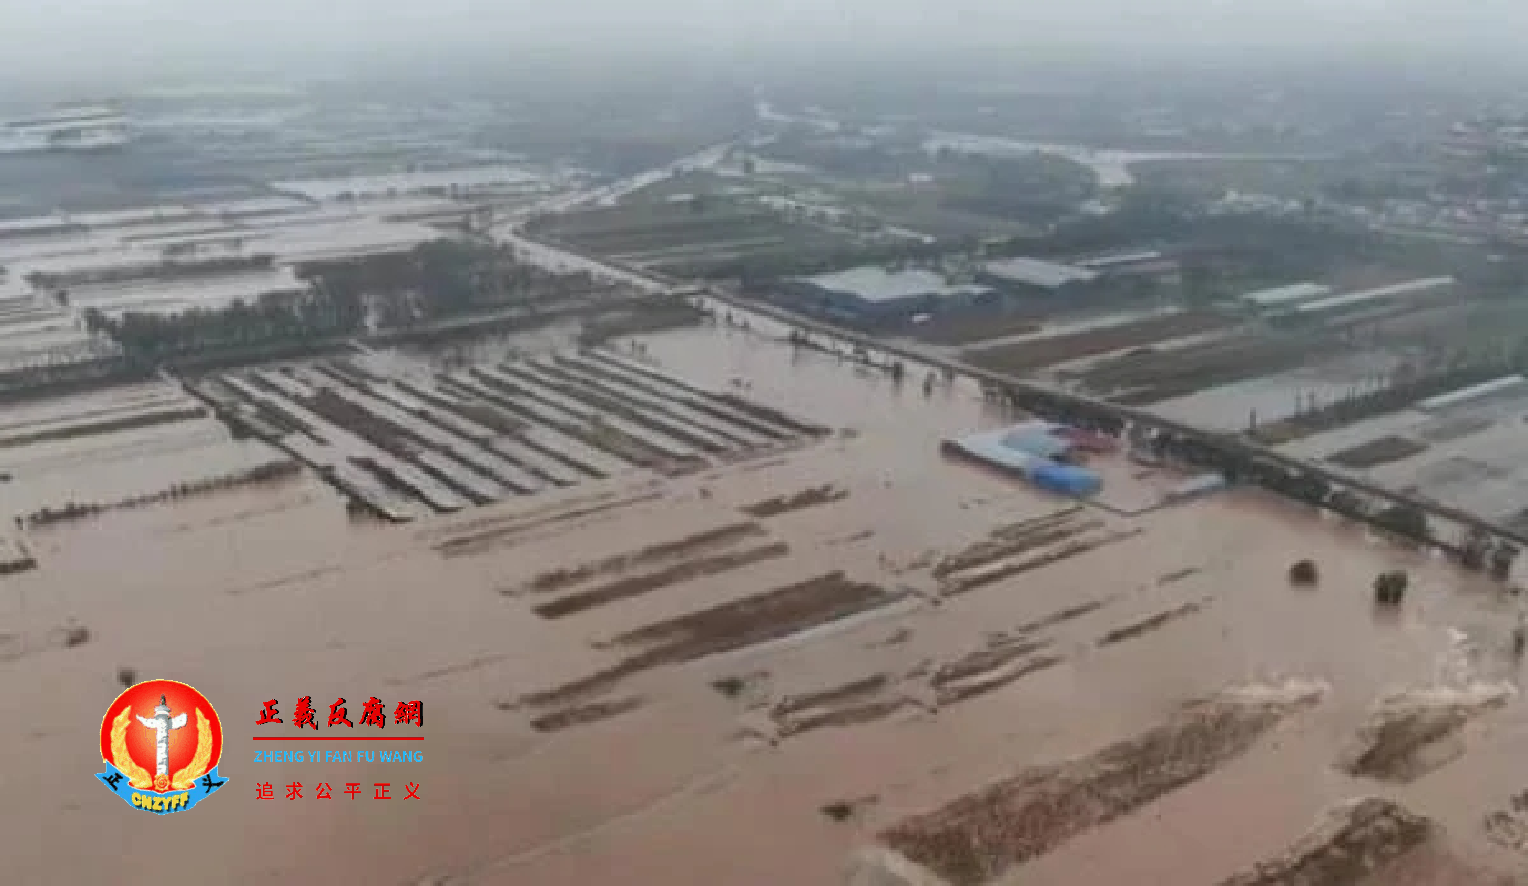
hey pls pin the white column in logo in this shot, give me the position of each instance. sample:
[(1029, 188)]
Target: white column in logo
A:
[(162, 723)]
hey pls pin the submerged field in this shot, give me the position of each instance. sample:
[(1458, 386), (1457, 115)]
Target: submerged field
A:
[(114, 446), (440, 442), (688, 234), (747, 671)]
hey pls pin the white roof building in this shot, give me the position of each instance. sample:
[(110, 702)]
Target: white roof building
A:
[(1104, 262), (1285, 295), (1410, 287), (1036, 272), (874, 284)]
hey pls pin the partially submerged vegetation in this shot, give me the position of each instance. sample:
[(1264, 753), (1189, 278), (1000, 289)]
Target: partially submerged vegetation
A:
[(806, 498), (1351, 842), (760, 618), (980, 836), (1303, 573), (1390, 588), (412, 292), (265, 473)]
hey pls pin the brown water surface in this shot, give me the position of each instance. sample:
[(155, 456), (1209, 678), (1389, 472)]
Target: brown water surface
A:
[(273, 593)]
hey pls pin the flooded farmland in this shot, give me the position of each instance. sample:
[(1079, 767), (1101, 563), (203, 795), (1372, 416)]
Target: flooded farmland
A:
[(400, 448), (102, 449), (716, 645)]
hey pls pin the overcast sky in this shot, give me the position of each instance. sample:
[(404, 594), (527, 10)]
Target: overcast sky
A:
[(43, 37)]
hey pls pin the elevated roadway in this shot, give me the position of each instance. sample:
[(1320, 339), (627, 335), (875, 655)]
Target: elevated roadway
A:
[(1235, 446)]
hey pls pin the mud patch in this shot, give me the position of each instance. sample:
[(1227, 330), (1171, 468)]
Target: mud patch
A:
[(14, 557), (806, 498), (843, 810), (997, 653), (588, 713), (1508, 828), (1001, 570), (1015, 538), (637, 585), (841, 715), (847, 704), (285, 581), (1413, 733), (862, 535), (1177, 575), (1351, 842), (721, 536), (1377, 452), (854, 690), (980, 836), (760, 618), (769, 615), (69, 635), (1061, 616), (956, 691), (749, 688), (501, 536), (1153, 623)]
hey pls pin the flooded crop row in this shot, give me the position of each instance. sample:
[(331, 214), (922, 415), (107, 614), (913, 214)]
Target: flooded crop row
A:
[(123, 447), (740, 623), (487, 433), (977, 838), (1351, 842)]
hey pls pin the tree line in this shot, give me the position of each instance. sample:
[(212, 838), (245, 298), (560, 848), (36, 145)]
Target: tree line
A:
[(313, 314), (435, 280)]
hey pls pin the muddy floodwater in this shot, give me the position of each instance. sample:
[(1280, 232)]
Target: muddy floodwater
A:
[(748, 672)]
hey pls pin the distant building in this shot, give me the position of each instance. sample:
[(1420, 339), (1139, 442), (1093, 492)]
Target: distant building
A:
[(1281, 299), (1142, 263), (1035, 277), (79, 128), (876, 296), (1381, 298)]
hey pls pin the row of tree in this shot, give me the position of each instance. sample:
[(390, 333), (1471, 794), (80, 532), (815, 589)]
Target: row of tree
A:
[(442, 278), (170, 268), (439, 279), (274, 317)]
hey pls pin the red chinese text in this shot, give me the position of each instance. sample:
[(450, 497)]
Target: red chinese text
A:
[(303, 716), (373, 713), (337, 714), (381, 791)]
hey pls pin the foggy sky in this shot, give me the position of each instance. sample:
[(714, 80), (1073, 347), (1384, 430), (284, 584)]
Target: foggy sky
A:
[(173, 39)]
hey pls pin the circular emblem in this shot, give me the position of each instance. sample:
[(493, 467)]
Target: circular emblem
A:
[(162, 736)]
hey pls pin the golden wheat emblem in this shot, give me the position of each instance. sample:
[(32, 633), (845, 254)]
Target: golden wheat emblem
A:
[(137, 776)]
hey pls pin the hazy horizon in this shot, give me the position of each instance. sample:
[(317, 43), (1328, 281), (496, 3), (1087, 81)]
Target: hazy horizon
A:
[(130, 44)]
